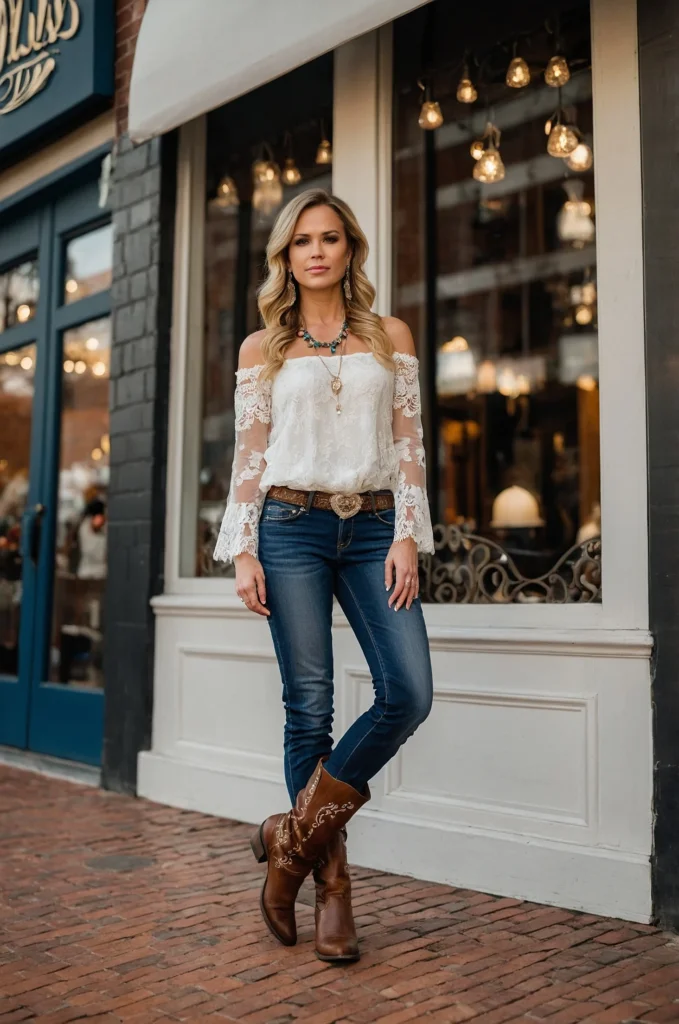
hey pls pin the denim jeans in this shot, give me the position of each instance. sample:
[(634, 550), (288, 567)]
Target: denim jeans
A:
[(309, 555)]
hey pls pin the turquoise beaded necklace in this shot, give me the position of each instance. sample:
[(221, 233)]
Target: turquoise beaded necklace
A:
[(332, 345)]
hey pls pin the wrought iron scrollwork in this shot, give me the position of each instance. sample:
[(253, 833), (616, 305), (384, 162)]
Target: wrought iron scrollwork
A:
[(466, 569)]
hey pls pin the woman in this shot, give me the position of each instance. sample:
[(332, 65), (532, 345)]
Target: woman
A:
[(328, 499)]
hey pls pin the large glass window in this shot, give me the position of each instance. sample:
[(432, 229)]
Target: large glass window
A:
[(495, 272), (261, 150)]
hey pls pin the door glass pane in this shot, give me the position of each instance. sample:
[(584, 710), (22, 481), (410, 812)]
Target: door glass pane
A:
[(16, 411), (88, 264), (80, 556), (19, 287)]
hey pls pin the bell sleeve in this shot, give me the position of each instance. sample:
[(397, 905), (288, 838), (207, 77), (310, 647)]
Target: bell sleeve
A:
[(413, 518), (239, 531)]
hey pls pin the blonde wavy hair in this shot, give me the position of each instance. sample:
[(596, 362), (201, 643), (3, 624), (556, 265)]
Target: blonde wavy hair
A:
[(282, 317)]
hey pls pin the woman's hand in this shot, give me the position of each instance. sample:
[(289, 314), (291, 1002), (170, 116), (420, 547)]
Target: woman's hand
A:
[(250, 585), (401, 562)]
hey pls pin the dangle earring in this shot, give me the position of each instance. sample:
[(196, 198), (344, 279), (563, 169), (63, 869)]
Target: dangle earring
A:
[(346, 284), (291, 290)]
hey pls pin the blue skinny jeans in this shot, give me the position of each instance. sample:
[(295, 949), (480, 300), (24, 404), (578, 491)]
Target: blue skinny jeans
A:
[(309, 555)]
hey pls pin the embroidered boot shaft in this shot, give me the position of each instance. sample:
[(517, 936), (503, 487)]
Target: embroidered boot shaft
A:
[(292, 843)]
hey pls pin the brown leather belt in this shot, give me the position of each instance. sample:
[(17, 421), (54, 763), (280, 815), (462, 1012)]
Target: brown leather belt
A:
[(344, 505)]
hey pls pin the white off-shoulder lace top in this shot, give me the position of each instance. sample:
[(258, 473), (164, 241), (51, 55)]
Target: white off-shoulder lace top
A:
[(288, 434)]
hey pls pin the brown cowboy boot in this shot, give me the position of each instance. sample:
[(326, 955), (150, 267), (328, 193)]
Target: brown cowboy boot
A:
[(336, 940), (293, 842)]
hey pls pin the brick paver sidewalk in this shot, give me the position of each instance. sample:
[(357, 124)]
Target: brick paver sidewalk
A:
[(114, 909)]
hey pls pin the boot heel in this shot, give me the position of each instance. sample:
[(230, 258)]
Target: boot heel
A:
[(258, 847)]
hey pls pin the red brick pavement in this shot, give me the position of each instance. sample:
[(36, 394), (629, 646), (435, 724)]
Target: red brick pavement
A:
[(114, 909)]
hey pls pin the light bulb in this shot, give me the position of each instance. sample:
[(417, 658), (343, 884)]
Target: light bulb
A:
[(581, 159), (562, 141), (489, 168), (71, 286), (99, 369), (92, 344), (12, 358), (477, 149), (227, 193), (97, 454), (267, 196), (430, 115), (266, 171), (23, 312), (324, 152), (584, 315), (486, 380), (586, 382), (69, 366), (80, 366), (105, 444), (291, 172), (588, 293), (466, 93), (27, 363), (557, 72), (456, 344), (518, 74), (549, 124)]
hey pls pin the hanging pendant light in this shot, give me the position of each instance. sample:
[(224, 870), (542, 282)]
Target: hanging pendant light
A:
[(324, 151), (430, 117), (518, 74), (563, 138), (489, 167), (557, 72), (227, 193), (581, 159), (267, 193), (291, 172), (466, 91)]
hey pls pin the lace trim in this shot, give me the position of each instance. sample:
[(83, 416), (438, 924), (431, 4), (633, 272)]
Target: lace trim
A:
[(233, 539), (252, 399), (253, 468), (413, 518), (407, 384)]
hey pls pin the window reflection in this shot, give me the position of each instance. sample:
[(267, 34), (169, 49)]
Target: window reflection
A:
[(80, 560), (498, 284), (19, 290), (17, 369), (88, 264)]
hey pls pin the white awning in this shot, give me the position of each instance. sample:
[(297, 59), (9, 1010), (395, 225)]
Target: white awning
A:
[(192, 57)]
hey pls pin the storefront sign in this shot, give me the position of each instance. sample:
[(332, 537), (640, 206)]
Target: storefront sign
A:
[(56, 59)]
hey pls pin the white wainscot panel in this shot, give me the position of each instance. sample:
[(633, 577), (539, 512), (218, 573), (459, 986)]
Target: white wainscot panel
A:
[(229, 713), (497, 759)]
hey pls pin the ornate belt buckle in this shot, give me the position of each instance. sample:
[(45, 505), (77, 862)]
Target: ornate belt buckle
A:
[(346, 505)]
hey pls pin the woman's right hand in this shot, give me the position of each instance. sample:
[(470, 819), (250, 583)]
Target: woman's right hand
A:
[(250, 585)]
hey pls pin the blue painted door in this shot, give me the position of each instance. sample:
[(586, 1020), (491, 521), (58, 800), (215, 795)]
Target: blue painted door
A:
[(55, 268)]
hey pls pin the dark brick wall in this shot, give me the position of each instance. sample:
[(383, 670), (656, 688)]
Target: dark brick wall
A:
[(143, 217), (659, 71)]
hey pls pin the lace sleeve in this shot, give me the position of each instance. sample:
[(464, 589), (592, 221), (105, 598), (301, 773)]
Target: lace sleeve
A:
[(240, 525), (413, 518)]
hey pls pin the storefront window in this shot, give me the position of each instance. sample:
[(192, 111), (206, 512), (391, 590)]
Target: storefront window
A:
[(19, 288), (282, 124), (495, 273)]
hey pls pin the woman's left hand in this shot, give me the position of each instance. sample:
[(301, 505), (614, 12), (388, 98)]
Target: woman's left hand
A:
[(401, 569)]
